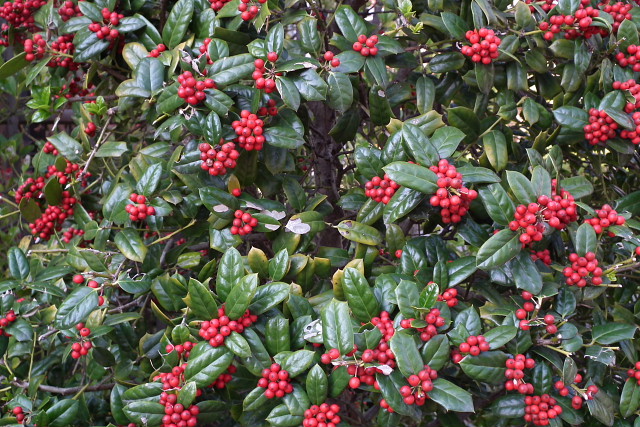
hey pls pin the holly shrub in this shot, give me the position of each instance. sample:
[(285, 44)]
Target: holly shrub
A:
[(323, 213)]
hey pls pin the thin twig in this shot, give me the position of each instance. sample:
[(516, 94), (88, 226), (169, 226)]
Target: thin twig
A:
[(65, 391)]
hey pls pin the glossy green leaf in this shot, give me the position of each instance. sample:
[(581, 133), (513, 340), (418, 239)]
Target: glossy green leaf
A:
[(177, 23), (337, 331), (317, 385), (131, 245), (360, 297), (206, 363), (408, 357), (499, 249), (413, 176), (18, 263), (76, 307), (241, 295)]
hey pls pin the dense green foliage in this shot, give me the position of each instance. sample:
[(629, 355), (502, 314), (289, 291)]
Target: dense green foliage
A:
[(495, 153)]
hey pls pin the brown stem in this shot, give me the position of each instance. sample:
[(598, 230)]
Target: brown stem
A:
[(65, 391)]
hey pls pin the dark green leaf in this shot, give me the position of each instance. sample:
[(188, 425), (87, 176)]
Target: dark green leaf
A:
[(76, 307), (337, 331), (317, 385), (362, 301), (131, 245), (407, 354), (486, 367), (241, 295), (18, 263), (451, 397), (413, 176), (499, 249), (177, 23), (206, 363)]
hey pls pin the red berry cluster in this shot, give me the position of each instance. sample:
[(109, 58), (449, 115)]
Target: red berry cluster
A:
[(544, 256), (218, 160), (31, 189), (527, 307), (63, 45), (332, 354), (452, 196), (191, 89), (249, 130), (19, 13), (90, 129), (484, 45), (18, 412), (632, 58), (76, 88), (385, 324), (79, 349), (236, 192), (68, 10), (276, 381), (606, 217), (216, 330), (547, 5), (139, 211), (176, 415), (6, 321), (634, 90), (540, 409), (450, 297), (474, 345), (582, 270), (106, 30), (601, 127), (366, 45), (224, 379), (324, 415), (381, 189), (158, 50), (434, 321), (64, 175), (515, 374), (49, 148), (249, 11), (363, 374), (332, 60), (416, 393), (183, 349), (382, 353), (204, 50), (561, 208), (633, 135), (218, 4), (53, 217), (243, 223), (574, 26), (263, 76), (270, 109), (526, 220), (634, 374), (619, 12), (550, 322), (557, 211), (35, 48), (70, 233), (172, 380), (579, 398)]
